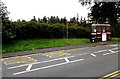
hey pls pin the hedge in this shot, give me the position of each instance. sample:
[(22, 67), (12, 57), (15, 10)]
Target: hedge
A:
[(30, 30)]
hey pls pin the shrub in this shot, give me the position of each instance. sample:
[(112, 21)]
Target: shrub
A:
[(116, 30), (8, 30), (32, 29)]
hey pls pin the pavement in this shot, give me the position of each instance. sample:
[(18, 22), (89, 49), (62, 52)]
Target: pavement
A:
[(92, 61)]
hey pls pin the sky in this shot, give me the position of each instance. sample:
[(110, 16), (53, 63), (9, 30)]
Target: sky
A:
[(26, 9)]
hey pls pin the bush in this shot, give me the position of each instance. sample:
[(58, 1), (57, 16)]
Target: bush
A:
[(8, 30), (32, 29), (116, 30), (58, 31), (78, 32)]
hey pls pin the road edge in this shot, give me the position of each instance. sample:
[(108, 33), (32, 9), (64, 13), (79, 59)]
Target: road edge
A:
[(28, 52)]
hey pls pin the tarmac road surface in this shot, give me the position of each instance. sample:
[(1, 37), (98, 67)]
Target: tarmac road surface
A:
[(98, 61)]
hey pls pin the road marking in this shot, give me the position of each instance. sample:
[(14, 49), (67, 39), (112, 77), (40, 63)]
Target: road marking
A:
[(76, 60), (16, 60), (13, 57), (110, 53), (114, 75), (55, 54), (114, 45), (29, 67), (41, 62), (106, 76), (85, 53), (46, 67), (115, 48), (55, 51), (33, 63), (21, 65), (66, 59), (100, 51), (42, 53), (60, 55), (74, 49), (1, 59), (48, 52), (93, 55)]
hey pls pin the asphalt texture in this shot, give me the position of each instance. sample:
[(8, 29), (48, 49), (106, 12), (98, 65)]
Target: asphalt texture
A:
[(57, 48), (90, 60)]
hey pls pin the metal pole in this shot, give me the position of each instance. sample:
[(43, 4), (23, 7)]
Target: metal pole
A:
[(67, 34)]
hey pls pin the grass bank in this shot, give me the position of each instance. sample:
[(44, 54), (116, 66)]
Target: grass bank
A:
[(31, 44), (115, 38)]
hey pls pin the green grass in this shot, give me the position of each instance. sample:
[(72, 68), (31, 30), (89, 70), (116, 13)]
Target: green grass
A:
[(115, 38), (31, 44)]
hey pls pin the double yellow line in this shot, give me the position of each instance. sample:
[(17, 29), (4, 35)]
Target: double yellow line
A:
[(111, 75)]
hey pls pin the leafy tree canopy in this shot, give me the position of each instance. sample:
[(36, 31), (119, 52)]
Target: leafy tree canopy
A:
[(3, 10), (104, 12)]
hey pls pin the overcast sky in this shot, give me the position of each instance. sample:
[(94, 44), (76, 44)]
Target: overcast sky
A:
[(26, 9)]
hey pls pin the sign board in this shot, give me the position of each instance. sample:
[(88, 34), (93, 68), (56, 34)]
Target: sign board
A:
[(104, 37), (67, 24)]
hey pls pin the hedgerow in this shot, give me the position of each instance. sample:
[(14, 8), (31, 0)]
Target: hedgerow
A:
[(31, 30)]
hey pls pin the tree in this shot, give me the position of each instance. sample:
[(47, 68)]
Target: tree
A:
[(118, 10), (57, 19), (63, 20), (101, 12), (8, 29), (81, 19), (72, 20), (39, 20), (106, 12), (3, 10), (52, 19), (44, 19), (34, 19)]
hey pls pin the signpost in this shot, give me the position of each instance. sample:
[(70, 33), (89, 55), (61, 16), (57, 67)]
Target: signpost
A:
[(67, 24)]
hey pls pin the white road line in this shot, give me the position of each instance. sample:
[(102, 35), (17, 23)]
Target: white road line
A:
[(46, 67), (76, 60), (93, 55), (33, 63), (110, 53), (29, 67), (111, 50), (115, 48), (40, 62), (100, 51), (66, 59)]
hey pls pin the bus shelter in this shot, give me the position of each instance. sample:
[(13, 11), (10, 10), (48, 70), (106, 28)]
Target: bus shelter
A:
[(101, 32)]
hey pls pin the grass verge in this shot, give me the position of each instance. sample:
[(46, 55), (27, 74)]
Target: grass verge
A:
[(115, 39), (31, 44)]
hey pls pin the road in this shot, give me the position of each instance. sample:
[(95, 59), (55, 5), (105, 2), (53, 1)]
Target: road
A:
[(95, 61)]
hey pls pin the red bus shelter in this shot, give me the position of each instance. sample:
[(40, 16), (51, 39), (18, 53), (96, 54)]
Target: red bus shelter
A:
[(101, 32)]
